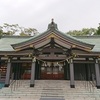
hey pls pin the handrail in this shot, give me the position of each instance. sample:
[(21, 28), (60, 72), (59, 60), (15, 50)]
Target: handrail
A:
[(92, 83), (93, 79), (83, 79), (12, 85), (12, 82), (12, 77), (91, 89), (91, 86)]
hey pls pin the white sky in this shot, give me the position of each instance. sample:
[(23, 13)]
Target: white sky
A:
[(68, 14)]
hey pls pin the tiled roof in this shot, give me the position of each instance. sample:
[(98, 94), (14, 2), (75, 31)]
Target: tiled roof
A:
[(95, 40), (6, 41)]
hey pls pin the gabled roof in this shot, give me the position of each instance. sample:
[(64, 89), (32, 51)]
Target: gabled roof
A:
[(53, 32)]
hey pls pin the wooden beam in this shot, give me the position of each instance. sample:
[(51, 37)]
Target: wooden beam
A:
[(83, 61), (52, 58)]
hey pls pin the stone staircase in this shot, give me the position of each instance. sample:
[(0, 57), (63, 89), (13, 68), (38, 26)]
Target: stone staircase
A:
[(49, 90)]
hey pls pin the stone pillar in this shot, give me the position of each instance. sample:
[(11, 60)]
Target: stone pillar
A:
[(32, 81), (7, 80), (72, 82), (97, 72)]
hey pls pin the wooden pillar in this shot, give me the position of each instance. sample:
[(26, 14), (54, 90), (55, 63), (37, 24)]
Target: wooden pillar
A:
[(97, 72), (36, 69), (7, 80), (72, 82), (32, 81)]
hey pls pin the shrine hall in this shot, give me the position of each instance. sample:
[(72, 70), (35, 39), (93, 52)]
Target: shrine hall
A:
[(51, 55)]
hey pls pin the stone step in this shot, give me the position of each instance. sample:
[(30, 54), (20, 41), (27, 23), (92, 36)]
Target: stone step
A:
[(50, 89), (51, 98)]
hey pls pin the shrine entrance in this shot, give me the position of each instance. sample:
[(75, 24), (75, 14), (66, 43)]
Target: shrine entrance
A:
[(52, 70)]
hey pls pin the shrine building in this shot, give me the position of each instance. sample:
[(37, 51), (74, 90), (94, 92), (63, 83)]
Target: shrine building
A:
[(51, 55)]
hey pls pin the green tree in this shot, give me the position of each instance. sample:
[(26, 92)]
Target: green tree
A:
[(84, 31), (74, 32), (7, 29), (1, 31), (98, 30), (29, 31), (15, 29)]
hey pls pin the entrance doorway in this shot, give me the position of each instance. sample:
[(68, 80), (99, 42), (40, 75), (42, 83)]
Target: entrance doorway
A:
[(26, 72), (21, 70), (52, 70)]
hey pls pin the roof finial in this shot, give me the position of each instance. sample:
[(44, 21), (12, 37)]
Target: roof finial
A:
[(52, 20), (52, 25)]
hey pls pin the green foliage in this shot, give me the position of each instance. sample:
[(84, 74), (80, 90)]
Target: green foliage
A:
[(23, 34), (15, 29), (1, 31), (74, 32), (98, 31), (30, 31), (83, 32)]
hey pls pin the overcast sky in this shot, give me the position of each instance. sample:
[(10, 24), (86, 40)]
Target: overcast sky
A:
[(68, 14)]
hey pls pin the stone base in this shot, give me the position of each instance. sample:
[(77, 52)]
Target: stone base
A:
[(72, 86), (31, 85), (6, 85)]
